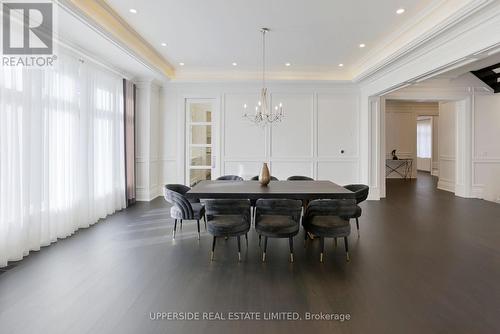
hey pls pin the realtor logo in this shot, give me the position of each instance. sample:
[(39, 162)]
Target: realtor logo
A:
[(27, 28)]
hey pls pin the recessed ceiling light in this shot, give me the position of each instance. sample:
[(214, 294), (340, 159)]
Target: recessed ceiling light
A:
[(362, 45), (163, 44), (287, 64), (400, 11), (341, 65), (133, 11), (182, 64), (234, 64)]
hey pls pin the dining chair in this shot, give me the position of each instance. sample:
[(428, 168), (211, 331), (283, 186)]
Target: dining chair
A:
[(230, 178), (256, 178), (182, 208), (325, 219), (300, 178), (278, 218), (361, 194), (228, 218)]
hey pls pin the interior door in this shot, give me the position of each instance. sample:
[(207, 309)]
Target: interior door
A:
[(200, 143)]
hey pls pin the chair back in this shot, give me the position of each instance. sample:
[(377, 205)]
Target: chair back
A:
[(175, 195), (256, 178), (300, 178), (360, 190), (230, 178), (330, 207), (223, 207), (279, 207)]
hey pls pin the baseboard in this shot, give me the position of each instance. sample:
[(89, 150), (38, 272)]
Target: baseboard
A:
[(446, 185), (147, 195)]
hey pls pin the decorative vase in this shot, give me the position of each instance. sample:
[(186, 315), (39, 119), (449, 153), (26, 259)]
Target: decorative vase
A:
[(265, 176)]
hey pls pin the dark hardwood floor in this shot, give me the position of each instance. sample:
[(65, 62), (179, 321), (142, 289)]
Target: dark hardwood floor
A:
[(426, 262)]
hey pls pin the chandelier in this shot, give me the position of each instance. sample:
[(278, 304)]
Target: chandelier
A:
[(262, 114)]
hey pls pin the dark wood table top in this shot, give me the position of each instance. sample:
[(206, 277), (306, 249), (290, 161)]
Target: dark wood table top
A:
[(307, 190)]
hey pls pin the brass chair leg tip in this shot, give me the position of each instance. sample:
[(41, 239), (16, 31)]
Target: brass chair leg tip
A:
[(291, 258), (264, 257), (321, 258), (348, 259), (239, 257)]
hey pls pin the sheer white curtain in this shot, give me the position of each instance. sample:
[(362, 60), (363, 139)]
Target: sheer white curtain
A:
[(61, 153), (424, 138)]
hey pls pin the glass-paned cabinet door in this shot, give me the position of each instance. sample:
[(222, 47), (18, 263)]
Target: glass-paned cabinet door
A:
[(199, 149)]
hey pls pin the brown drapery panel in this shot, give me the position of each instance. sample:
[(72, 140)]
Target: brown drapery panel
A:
[(129, 114)]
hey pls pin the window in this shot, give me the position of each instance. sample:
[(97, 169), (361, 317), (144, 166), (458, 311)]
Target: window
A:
[(424, 138)]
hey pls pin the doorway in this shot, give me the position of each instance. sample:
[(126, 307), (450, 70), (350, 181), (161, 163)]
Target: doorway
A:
[(200, 160)]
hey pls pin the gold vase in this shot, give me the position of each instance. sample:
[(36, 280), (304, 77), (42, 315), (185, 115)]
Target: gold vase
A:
[(265, 176)]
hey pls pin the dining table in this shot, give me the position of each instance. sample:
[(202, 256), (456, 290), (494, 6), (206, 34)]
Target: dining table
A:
[(253, 190)]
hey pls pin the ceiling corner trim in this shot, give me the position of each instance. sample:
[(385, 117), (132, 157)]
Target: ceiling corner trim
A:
[(467, 11), (105, 20)]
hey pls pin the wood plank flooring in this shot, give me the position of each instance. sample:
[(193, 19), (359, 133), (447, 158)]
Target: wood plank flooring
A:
[(426, 262)]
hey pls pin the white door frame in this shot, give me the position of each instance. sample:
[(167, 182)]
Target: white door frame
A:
[(464, 130)]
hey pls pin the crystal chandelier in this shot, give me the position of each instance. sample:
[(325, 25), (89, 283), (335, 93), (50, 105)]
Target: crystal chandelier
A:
[(262, 114)]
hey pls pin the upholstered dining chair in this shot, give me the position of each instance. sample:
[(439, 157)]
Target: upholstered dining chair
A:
[(230, 178), (278, 218), (182, 208), (256, 178), (228, 218), (300, 178), (325, 218), (361, 194)]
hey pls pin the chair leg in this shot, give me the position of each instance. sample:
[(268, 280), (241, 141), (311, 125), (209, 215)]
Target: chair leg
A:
[(198, 222), (181, 224), (175, 228), (246, 238), (213, 248), (205, 220), (290, 242), (265, 249), (335, 242), (260, 238), (357, 225), (305, 239), (322, 247), (239, 248), (346, 249)]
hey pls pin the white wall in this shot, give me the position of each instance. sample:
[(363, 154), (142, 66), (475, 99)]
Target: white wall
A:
[(447, 146), (486, 158), (147, 143), (321, 121)]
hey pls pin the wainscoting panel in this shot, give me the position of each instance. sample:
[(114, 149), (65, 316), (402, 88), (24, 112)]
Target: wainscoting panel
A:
[(241, 137), (293, 137), (283, 169), (337, 124), (340, 172), (245, 169)]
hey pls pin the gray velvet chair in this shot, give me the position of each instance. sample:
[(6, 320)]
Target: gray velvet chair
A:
[(277, 218), (300, 178), (230, 178), (182, 208), (361, 193), (325, 218), (228, 218), (256, 178)]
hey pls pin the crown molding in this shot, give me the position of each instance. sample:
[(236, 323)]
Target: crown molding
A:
[(438, 30), (100, 17)]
